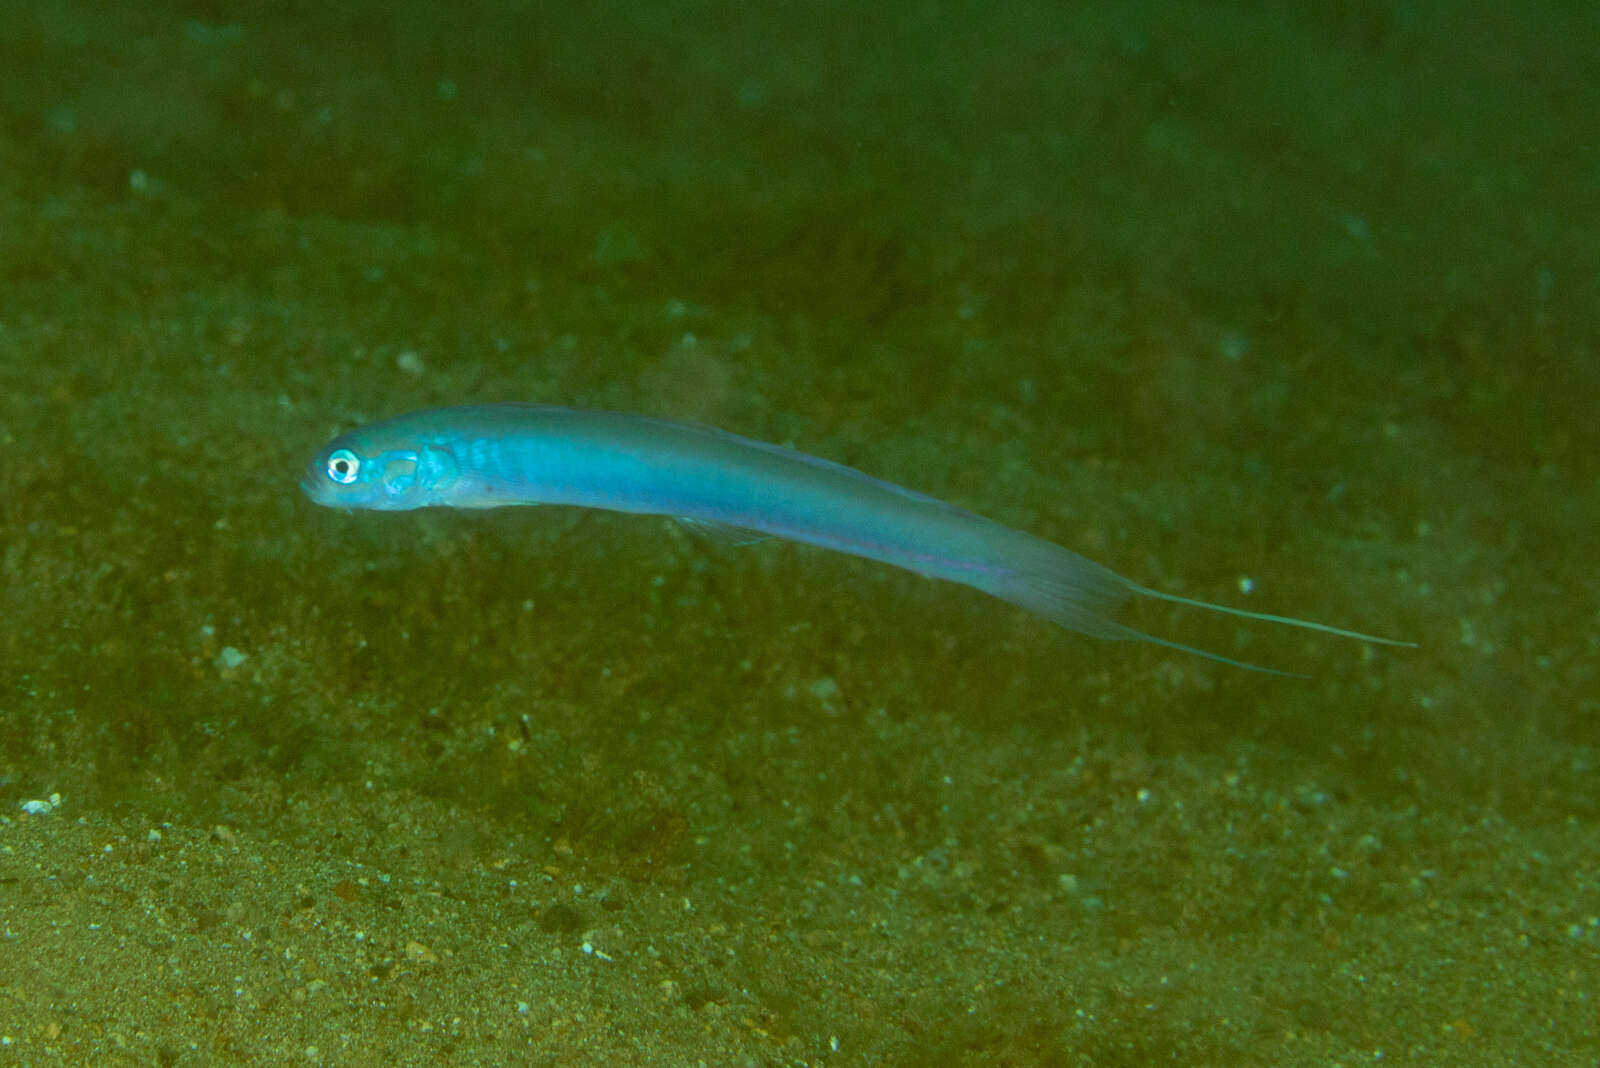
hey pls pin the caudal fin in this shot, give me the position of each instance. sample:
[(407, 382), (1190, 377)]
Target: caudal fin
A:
[(1081, 595)]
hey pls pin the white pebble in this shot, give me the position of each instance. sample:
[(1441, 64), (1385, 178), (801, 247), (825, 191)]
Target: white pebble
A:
[(42, 808)]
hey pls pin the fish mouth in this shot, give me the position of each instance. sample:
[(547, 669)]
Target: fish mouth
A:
[(313, 488)]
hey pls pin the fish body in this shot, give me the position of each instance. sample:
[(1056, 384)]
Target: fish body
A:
[(497, 455)]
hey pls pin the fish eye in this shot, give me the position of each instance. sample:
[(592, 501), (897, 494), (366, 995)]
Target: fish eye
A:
[(343, 466)]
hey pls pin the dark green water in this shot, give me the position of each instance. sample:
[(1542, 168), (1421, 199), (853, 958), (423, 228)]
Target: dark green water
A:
[(1238, 296)]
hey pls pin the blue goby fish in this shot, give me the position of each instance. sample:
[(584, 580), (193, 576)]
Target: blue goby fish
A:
[(494, 455)]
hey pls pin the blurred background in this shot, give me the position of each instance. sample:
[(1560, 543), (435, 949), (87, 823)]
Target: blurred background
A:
[(1292, 309)]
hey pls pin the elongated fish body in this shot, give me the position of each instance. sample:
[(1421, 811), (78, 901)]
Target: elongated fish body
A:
[(489, 456)]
